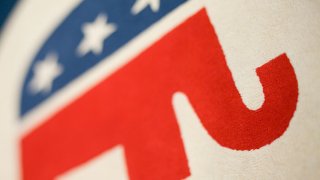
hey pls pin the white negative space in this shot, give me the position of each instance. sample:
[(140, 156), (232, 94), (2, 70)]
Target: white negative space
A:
[(253, 32), (109, 165), (198, 144), (208, 160)]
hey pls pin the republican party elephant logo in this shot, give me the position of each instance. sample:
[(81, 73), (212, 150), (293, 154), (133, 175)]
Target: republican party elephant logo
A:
[(133, 106)]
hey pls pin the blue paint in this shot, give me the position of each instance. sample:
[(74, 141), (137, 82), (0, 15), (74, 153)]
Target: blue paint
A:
[(66, 38)]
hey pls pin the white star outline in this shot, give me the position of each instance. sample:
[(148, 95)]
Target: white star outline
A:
[(45, 72), (95, 33), (140, 5)]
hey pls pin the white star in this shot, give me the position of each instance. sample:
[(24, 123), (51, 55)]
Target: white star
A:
[(45, 71), (139, 5), (94, 35)]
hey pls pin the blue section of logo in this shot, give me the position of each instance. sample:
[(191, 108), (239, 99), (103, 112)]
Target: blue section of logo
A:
[(65, 41)]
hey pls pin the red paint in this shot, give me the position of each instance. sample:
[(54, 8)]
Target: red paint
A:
[(133, 107)]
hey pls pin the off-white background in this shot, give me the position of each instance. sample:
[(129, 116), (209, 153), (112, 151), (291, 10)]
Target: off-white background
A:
[(251, 33)]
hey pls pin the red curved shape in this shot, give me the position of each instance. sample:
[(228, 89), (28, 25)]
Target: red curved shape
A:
[(233, 125)]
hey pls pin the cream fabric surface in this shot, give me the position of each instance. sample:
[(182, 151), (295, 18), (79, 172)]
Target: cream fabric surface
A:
[(251, 33)]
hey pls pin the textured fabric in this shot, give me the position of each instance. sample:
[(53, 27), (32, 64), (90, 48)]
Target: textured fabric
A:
[(160, 89)]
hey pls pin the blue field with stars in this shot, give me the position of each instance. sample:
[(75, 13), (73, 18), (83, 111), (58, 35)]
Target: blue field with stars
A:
[(92, 31)]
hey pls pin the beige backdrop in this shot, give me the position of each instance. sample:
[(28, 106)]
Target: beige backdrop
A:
[(251, 33)]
